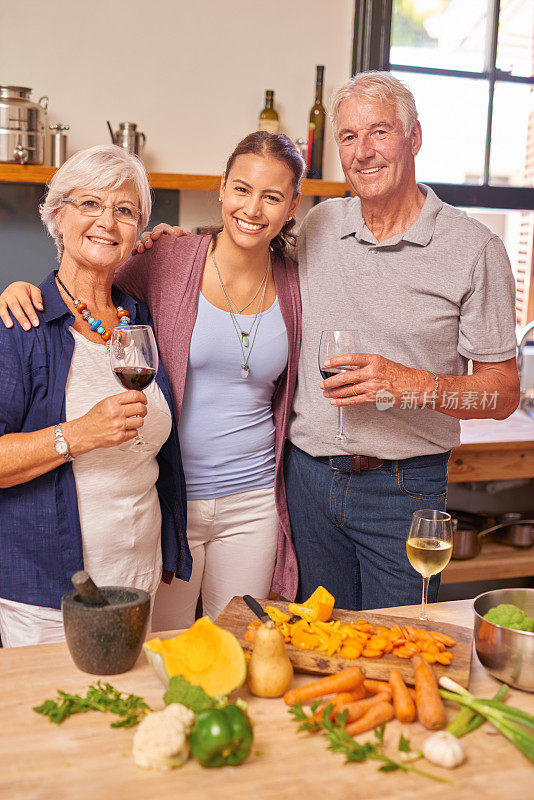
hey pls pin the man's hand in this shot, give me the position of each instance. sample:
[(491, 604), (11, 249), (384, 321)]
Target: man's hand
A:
[(148, 238), (369, 373), (490, 392)]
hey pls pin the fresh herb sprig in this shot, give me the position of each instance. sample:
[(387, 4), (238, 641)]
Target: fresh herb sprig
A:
[(341, 742), (99, 697)]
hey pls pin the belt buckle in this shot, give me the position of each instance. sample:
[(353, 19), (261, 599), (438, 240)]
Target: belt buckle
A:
[(353, 465), (338, 469)]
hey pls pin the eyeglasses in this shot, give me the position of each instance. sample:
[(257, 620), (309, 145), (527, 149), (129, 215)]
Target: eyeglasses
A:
[(91, 208)]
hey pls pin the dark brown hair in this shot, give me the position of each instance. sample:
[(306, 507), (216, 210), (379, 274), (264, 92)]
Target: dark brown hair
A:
[(279, 146)]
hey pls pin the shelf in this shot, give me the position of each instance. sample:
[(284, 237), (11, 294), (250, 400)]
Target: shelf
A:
[(494, 562), (17, 173)]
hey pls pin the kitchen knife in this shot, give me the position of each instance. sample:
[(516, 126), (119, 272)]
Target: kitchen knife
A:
[(256, 608)]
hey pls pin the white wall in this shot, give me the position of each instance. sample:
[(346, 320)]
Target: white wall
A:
[(191, 74)]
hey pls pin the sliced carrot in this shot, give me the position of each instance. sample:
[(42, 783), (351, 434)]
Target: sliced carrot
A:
[(402, 702), (429, 704), (444, 658), (369, 652), (375, 716), (345, 680), (442, 637)]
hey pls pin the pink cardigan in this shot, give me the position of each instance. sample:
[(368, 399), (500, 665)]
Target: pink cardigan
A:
[(168, 277)]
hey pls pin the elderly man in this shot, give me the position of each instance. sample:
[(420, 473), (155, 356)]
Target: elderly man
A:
[(426, 289)]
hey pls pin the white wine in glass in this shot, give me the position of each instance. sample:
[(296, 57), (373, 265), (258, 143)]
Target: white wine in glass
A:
[(429, 547)]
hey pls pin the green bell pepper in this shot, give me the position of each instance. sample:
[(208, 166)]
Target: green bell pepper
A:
[(221, 736)]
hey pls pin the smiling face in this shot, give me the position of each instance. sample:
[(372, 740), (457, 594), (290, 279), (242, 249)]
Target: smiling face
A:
[(257, 200), (377, 158), (98, 242)]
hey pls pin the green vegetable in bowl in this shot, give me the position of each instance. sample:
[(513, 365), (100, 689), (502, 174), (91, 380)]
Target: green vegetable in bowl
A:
[(510, 616)]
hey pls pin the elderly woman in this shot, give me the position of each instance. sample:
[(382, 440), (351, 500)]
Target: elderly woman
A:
[(70, 498)]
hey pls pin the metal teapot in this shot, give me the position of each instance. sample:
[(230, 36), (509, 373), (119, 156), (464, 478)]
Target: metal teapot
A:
[(128, 137)]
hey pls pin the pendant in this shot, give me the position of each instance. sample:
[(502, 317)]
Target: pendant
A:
[(244, 338), (245, 369), (118, 349)]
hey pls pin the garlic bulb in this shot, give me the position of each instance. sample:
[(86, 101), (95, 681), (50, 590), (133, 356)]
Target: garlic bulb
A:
[(443, 749)]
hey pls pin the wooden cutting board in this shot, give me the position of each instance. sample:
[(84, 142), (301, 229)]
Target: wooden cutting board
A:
[(237, 615)]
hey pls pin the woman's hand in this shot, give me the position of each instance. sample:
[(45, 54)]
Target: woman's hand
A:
[(21, 299), (148, 238), (109, 423)]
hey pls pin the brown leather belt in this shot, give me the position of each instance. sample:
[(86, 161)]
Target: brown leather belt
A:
[(350, 463)]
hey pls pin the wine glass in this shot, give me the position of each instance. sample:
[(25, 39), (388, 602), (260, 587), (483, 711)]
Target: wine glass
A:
[(336, 343), (429, 547), (134, 360)]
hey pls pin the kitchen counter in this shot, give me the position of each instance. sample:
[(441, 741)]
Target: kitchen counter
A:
[(85, 758), (494, 450)]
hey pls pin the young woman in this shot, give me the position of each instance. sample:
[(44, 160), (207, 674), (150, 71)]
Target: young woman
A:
[(226, 309)]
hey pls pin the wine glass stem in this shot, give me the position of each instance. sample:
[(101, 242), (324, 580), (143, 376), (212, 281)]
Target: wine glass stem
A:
[(424, 598), (340, 434)]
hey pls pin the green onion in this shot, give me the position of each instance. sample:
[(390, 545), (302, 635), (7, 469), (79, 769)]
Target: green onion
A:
[(510, 721), (468, 720)]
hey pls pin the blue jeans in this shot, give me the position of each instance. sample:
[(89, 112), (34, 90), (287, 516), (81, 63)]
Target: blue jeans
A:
[(349, 529)]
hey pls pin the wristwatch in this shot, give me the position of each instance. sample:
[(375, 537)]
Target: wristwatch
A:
[(61, 445)]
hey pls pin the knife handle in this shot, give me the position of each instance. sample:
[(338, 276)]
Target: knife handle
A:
[(255, 607)]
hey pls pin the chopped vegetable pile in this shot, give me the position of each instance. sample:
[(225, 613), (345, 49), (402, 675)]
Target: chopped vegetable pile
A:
[(510, 616), (355, 639)]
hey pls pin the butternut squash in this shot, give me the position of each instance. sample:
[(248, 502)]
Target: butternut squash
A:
[(270, 671)]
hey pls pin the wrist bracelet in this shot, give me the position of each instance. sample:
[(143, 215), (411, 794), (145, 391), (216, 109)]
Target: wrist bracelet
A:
[(434, 396)]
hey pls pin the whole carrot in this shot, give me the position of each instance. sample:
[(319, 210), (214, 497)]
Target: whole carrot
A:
[(375, 716), (341, 699), (374, 687), (402, 701), (344, 681), (358, 708), (429, 704)]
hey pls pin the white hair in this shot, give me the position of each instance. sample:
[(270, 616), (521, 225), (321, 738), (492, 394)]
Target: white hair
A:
[(102, 167), (377, 86)]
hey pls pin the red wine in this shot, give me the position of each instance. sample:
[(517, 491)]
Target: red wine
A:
[(135, 377), (329, 373)]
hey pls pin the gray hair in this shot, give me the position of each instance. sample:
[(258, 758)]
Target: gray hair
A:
[(101, 167), (377, 86)]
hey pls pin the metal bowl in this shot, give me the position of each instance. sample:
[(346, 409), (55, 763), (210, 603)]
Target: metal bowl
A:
[(506, 654)]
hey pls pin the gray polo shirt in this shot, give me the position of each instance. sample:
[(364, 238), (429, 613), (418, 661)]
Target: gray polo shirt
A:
[(433, 297)]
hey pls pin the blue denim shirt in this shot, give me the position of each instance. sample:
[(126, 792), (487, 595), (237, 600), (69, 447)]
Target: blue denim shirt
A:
[(40, 534)]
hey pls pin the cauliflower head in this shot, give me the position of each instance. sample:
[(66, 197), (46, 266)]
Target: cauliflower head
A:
[(161, 740)]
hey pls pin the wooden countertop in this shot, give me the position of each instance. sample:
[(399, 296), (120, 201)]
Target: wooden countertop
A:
[(493, 450), (86, 759)]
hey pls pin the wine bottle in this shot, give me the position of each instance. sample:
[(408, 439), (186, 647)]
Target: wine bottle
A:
[(268, 119), (316, 129)]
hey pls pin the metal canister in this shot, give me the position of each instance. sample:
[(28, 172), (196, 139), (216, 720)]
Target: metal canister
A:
[(22, 126), (58, 144)]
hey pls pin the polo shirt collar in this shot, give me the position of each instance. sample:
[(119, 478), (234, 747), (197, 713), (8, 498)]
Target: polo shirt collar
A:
[(420, 232), (55, 307)]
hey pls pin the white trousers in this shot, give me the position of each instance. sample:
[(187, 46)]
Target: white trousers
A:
[(233, 542)]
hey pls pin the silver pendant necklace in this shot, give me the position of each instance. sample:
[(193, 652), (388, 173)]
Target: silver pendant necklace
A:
[(243, 336)]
